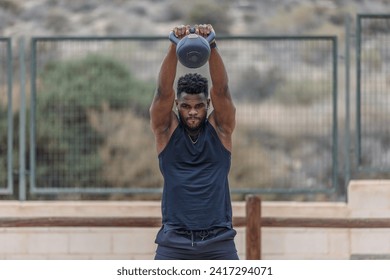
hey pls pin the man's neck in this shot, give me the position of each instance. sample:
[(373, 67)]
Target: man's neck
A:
[(194, 134)]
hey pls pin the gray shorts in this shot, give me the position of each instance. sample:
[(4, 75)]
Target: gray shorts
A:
[(214, 244)]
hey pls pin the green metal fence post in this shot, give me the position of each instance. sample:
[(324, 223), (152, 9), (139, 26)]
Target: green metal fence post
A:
[(358, 89), (10, 119), (22, 122), (347, 100), (335, 126)]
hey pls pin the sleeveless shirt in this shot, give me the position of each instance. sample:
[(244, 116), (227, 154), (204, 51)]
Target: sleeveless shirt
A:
[(196, 192)]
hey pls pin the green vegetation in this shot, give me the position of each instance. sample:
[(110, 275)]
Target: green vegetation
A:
[(68, 140), (93, 82)]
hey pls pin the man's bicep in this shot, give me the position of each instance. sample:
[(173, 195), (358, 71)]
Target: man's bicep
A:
[(224, 111), (161, 112)]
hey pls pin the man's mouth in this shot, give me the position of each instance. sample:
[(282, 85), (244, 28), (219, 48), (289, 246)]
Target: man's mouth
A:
[(193, 122)]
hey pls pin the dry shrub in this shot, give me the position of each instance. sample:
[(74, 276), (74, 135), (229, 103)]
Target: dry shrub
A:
[(128, 154), (212, 13), (251, 164)]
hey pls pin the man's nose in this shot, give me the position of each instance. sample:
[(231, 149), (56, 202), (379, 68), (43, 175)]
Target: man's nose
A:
[(193, 111)]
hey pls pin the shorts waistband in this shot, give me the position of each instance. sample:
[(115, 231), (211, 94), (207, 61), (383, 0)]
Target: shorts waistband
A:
[(199, 234)]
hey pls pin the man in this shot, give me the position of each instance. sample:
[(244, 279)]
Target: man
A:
[(194, 154)]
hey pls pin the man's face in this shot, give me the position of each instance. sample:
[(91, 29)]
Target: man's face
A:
[(192, 109)]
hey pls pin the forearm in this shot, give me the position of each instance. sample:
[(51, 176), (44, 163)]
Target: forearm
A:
[(161, 107), (167, 72), (218, 73), (224, 109)]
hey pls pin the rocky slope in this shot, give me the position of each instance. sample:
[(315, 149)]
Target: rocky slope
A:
[(154, 17)]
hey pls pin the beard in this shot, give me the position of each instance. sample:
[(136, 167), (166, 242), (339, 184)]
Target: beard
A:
[(192, 124)]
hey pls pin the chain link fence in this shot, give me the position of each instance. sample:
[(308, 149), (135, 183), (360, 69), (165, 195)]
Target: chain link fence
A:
[(90, 100), (285, 91), (373, 97), (89, 109), (6, 117)]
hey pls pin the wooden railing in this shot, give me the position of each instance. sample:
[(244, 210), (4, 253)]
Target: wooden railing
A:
[(253, 222)]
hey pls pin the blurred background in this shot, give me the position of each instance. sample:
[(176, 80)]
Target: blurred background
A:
[(157, 17), (77, 79)]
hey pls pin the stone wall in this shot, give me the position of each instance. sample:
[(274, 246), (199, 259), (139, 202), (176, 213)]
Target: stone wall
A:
[(366, 199)]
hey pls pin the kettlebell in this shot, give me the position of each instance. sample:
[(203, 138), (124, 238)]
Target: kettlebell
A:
[(193, 51)]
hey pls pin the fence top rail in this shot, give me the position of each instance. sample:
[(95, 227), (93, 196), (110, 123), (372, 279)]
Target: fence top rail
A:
[(139, 190), (373, 16), (145, 38)]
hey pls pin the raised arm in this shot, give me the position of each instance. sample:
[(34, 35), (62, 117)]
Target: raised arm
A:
[(223, 117), (161, 108), (161, 114), (162, 119)]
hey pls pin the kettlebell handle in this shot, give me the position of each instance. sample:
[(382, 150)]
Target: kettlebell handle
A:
[(176, 40)]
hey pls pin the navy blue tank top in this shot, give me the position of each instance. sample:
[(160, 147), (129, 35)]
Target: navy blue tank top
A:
[(196, 190)]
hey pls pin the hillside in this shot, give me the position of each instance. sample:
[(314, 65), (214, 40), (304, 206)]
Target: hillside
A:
[(153, 17)]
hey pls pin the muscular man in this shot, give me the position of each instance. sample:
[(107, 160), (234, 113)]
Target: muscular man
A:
[(194, 153)]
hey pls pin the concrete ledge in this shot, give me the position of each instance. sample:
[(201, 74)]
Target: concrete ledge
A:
[(80, 209), (369, 199)]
